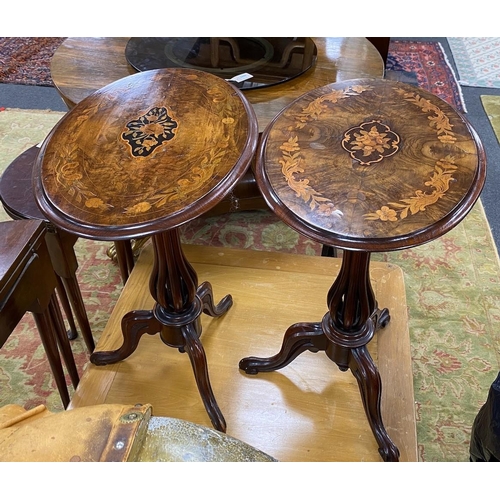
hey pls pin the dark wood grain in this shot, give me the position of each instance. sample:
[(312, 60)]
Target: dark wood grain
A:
[(140, 157), (365, 165), (27, 284)]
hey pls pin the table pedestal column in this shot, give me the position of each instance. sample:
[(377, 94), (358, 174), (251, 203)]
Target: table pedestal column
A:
[(175, 316), (344, 333)]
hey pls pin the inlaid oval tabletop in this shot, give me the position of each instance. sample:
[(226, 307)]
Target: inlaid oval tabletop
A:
[(145, 153), (370, 164)]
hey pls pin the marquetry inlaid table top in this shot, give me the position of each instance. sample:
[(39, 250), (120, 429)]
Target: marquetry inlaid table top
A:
[(145, 153), (370, 164)]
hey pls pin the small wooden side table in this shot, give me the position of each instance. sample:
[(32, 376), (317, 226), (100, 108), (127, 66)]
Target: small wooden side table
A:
[(364, 165), (139, 158), (27, 284)]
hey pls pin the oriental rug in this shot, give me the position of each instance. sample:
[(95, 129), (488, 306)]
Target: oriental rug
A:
[(27, 60), (452, 291), (477, 60), (425, 65)]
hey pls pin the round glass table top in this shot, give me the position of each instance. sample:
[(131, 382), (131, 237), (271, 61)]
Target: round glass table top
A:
[(249, 63), (145, 153), (370, 164)]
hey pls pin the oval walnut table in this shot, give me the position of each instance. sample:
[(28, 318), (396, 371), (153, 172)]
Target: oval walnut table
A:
[(366, 166), (139, 158)]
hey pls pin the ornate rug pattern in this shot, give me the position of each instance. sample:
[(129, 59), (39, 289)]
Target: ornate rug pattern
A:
[(453, 297), (27, 60), (424, 64), (477, 60)]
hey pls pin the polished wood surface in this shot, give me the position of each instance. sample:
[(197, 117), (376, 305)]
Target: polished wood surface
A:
[(145, 154), (371, 165), (27, 284), (140, 157), (309, 411), (365, 165), (81, 66)]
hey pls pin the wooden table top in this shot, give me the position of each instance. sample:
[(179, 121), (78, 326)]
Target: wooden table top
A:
[(83, 65), (145, 154), (370, 164)]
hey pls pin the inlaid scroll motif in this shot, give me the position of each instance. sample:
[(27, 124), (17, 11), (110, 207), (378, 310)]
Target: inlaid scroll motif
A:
[(370, 142), (149, 131), (291, 161), (437, 120), (318, 106), (439, 184), (444, 169)]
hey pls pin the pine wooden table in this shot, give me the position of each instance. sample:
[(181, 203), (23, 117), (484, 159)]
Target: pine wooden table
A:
[(366, 166), (309, 411)]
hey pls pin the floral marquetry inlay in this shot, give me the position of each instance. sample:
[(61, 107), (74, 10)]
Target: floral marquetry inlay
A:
[(144, 150), (149, 131), (368, 159), (370, 142)]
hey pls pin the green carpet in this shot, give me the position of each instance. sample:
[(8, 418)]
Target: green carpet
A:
[(453, 297), (491, 104)]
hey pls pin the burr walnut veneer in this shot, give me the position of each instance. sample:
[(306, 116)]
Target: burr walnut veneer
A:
[(364, 165), (140, 157)]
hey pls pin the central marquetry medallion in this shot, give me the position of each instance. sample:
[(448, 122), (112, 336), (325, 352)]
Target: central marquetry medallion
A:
[(370, 142), (149, 131)]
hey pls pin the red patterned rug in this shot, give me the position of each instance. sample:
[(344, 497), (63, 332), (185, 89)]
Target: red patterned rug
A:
[(26, 61), (425, 65)]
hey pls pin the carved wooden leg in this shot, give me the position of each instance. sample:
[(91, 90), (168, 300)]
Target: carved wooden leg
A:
[(179, 303), (206, 296), (198, 360), (134, 325), (370, 386), (298, 338)]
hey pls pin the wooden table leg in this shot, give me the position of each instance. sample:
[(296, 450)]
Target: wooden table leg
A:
[(175, 316), (344, 333), (50, 336)]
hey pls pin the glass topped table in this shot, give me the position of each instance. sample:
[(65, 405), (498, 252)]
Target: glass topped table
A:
[(250, 63)]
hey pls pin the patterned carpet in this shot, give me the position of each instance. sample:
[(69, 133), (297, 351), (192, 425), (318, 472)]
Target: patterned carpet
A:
[(452, 287), (453, 296), (491, 104), (27, 60), (477, 60), (424, 64)]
